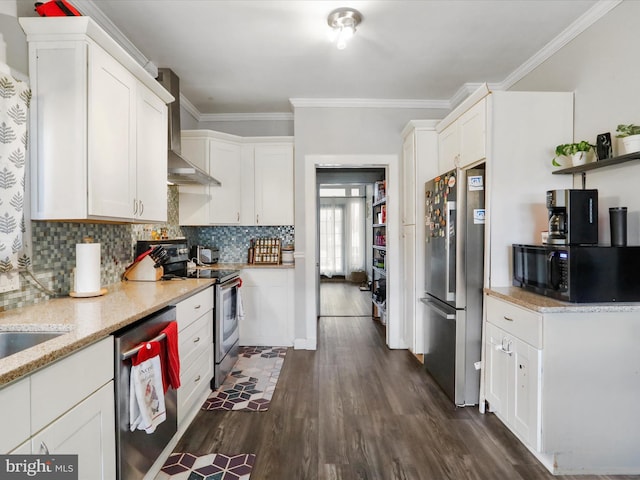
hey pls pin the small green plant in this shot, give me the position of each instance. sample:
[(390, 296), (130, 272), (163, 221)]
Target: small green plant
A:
[(627, 130), (568, 149)]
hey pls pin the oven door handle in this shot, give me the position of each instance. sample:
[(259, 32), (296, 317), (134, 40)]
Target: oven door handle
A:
[(236, 282)]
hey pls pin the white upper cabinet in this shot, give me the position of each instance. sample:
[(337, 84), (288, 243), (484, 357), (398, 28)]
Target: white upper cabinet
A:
[(151, 157), (463, 142), (98, 138), (256, 175), (449, 148), (220, 155), (473, 128), (273, 182), (225, 165)]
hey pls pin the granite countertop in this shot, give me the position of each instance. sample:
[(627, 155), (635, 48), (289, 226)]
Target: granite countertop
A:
[(243, 266), (87, 320), (542, 304)]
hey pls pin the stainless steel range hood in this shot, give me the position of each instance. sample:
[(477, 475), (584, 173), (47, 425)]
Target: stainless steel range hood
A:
[(180, 170)]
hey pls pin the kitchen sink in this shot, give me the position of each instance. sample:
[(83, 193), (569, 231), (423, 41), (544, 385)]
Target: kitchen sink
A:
[(14, 342)]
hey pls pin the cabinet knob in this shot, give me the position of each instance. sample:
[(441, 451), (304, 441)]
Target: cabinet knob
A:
[(141, 207), (197, 307), (196, 340), (508, 319), (135, 206), (197, 379), (238, 218)]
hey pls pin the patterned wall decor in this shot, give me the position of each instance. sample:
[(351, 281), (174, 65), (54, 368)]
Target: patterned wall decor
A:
[(234, 241), (15, 97)]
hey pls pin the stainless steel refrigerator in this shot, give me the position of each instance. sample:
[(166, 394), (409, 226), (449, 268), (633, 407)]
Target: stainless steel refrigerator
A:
[(454, 218)]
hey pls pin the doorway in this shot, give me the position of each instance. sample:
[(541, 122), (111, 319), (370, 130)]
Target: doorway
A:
[(345, 237)]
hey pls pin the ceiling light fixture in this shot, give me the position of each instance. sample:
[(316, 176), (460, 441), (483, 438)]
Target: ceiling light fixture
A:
[(343, 23)]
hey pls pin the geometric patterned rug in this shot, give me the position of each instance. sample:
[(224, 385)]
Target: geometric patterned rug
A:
[(252, 381), (214, 466)]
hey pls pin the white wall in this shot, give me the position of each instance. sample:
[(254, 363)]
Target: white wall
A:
[(601, 66), (251, 128), (340, 132)]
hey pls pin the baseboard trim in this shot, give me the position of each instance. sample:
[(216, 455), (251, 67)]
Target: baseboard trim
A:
[(305, 344)]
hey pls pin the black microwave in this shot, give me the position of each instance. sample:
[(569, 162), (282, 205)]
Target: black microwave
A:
[(578, 273)]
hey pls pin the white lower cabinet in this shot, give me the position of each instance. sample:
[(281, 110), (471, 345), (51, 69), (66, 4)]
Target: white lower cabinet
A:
[(87, 430), (560, 377), (513, 383), (66, 408), (15, 416), (195, 346), (267, 298)]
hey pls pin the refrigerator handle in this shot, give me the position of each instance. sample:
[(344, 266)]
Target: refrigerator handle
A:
[(450, 207), (442, 312)]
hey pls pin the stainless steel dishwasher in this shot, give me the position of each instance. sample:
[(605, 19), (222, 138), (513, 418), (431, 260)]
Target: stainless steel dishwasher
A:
[(137, 451)]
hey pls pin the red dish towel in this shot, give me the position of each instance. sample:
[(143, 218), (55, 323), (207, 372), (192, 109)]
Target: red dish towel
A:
[(170, 358), (146, 401)]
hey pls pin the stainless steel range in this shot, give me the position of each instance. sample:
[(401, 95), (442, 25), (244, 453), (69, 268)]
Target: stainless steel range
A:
[(227, 283)]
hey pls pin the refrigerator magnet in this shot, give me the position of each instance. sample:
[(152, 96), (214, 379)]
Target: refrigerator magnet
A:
[(478, 216), (476, 182)]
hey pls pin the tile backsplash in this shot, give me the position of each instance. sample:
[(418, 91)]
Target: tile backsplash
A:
[(54, 251), (234, 241)]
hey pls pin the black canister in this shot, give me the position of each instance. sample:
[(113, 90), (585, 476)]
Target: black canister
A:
[(618, 224)]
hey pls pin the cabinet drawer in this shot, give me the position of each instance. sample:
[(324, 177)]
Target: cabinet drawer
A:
[(192, 308), (519, 322), (195, 338), (57, 388), (14, 415), (194, 381)]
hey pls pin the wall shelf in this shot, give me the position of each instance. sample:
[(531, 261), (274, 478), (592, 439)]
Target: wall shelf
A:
[(596, 165)]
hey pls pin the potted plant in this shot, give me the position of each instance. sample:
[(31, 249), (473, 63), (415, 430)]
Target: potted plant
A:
[(569, 154), (630, 135)]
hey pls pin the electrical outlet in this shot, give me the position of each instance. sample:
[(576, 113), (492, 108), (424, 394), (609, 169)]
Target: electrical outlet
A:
[(9, 282)]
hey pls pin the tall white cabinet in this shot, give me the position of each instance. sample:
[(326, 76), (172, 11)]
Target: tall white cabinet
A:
[(515, 134), (98, 138), (419, 164)]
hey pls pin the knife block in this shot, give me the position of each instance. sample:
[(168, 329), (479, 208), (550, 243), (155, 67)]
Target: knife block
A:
[(144, 271)]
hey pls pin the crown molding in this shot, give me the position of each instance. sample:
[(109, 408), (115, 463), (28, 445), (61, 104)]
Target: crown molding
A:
[(368, 103), (591, 16), (247, 117), (90, 9), (190, 107)]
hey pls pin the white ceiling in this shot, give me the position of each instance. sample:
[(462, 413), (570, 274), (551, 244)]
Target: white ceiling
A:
[(254, 56)]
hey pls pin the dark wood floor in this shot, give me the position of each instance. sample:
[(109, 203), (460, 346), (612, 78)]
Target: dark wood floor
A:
[(343, 299), (354, 409)]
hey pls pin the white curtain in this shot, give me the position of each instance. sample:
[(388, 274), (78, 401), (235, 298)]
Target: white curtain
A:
[(342, 236), (15, 96)]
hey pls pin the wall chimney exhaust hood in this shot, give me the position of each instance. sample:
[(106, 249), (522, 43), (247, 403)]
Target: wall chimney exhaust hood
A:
[(180, 170)]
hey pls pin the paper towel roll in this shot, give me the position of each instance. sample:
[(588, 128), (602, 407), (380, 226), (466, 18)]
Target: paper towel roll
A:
[(87, 279)]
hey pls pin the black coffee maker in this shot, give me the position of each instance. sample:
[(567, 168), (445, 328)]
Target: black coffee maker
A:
[(573, 217)]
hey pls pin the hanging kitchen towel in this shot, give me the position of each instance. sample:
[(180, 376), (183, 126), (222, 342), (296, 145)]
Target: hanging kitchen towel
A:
[(146, 395), (239, 304), (170, 358)]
